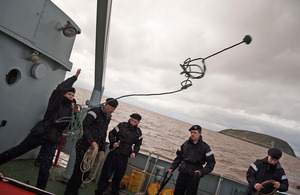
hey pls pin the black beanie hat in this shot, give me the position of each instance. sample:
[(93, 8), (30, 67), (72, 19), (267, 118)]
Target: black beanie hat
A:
[(275, 153), (112, 102), (72, 89), (136, 116), (196, 127)]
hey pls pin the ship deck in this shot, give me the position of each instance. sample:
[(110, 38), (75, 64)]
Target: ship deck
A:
[(25, 171)]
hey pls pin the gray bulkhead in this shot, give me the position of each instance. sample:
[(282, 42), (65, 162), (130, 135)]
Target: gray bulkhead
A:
[(30, 27)]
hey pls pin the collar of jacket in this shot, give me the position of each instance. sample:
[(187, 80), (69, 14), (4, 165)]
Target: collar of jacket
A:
[(199, 141), (131, 127), (265, 160), (67, 101)]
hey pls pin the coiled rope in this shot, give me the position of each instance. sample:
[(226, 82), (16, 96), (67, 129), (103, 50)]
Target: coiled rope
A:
[(89, 160), (75, 127), (274, 192)]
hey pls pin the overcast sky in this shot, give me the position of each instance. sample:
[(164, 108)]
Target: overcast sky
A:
[(251, 87)]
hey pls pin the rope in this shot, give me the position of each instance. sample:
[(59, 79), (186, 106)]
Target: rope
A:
[(75, 127), (164, 182), (88, 162), (195, 183), (274, 192)]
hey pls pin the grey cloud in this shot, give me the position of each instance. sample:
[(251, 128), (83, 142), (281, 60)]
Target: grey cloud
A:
[(148, 42)]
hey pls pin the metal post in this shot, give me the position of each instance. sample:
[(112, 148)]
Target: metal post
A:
[(66, 175), (144, 172), (102, 32), (219, 185), (154, 166)]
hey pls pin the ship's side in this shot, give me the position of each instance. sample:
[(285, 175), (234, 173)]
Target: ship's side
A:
[(34, 58)]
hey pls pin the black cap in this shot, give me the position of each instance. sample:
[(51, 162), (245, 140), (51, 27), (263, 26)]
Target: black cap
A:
[(136, 116), (275, 153), (72, 89), (112, 102), (196, 127)]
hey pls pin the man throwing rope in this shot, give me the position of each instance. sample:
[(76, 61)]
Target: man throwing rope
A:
[(47, 133), (121, 138), (266, 169), (95, 126)]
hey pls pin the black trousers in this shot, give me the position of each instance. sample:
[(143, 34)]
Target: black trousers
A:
[(46, 154), (115, 165), (185, 184), (76, 178)]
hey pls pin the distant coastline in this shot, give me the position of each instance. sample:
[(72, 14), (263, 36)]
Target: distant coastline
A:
[(260, 139)]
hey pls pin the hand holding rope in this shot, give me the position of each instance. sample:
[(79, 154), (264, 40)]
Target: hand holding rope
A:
[(165, 180), (274, 192), (75, 127), (89, 160)]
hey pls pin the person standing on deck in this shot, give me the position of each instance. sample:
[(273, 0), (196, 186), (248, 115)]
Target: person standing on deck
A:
[(191, 156), (266, 169), (121, 138), (47, 133), (95, 126)]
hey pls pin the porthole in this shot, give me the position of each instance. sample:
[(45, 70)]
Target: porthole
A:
[(13, 76)]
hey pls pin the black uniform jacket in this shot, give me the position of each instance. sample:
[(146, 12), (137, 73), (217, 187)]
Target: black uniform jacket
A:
[(191, 157), (260, 171), (127, 136), (58, 107), (95, 126)]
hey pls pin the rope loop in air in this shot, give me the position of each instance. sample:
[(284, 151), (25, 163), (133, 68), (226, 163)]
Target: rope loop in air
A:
[(191, 70)]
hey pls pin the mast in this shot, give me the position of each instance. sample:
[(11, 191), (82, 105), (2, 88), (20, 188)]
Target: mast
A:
[(102, 32)]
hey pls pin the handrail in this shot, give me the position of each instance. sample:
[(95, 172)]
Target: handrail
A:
[(148, 151)]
